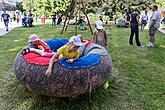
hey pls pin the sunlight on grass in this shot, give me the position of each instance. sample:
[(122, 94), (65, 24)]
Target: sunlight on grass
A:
[(163, 46), (16, 40), (14, 49), (137, 80)]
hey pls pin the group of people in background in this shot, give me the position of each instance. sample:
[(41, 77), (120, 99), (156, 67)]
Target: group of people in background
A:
[(133, 19), (27, 18), (154, 24)]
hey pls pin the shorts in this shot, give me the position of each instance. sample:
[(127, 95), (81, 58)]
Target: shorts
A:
[(144, 22), (152, 31), (6, 22)]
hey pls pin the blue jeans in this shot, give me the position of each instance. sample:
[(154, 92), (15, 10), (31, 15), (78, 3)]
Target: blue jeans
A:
[(53, 22), (6, 22)]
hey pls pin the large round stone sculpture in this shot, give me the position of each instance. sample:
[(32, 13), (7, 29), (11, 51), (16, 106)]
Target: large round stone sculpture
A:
[(64, 81)]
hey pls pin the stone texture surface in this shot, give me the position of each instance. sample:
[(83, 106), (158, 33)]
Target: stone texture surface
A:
[(63, 82)]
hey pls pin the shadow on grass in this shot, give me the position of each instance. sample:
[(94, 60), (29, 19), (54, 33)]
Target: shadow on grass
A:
[(18, 97)]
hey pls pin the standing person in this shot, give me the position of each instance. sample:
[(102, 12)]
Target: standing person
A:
[(134, 28), (54, 19), (30, 19), (14, 17), (11, 18), (62, 22), (144, 20), (24, 19), (43, 17), (5, 16), (154, 24), (59, 19), (100, 35), (17, 17), (127, 18)]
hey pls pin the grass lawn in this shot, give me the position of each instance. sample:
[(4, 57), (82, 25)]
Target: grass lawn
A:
[(137, 81)]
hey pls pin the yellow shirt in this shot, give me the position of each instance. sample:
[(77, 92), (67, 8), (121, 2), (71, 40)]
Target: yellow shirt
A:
[(64, 54)]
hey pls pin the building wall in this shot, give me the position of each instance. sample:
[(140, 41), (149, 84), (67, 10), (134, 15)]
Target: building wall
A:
[(10, 2)]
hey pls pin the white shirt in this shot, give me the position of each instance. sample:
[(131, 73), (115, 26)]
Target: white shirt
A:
[(144, 17), (156, 16)]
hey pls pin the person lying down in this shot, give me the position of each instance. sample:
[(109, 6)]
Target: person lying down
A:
[(68, 52), (38, 46)]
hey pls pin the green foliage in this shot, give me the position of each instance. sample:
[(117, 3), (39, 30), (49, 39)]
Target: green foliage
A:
[(111, 7), (19, 6), (46, 6), (161, 3)]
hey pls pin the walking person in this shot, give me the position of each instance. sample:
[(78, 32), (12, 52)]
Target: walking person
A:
[(5, 16), (154, 24), (134, 28), (144, 20)]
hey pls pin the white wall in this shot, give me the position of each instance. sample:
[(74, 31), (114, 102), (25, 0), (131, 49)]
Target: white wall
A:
[(11, 2)]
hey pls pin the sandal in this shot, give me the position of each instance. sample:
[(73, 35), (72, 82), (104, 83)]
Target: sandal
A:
[(25, 51)]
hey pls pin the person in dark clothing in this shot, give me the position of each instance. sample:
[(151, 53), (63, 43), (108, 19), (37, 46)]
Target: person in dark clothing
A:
[(5, 16), (134, 28), (127, 18), (14, 17), (54, 19), (59, 19), (30, 19), (24, 19)]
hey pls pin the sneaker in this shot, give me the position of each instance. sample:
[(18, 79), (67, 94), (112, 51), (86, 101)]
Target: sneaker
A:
[(150, 45), (140, 46)]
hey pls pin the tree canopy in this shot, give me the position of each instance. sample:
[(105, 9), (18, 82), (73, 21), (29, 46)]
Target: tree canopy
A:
[(46, 6), (109, 7), (161, 3)]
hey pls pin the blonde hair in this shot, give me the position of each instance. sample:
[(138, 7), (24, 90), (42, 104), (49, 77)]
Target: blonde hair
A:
[(80, 36)]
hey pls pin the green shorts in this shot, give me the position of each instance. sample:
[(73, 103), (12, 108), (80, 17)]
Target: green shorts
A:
[(152, 31)]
